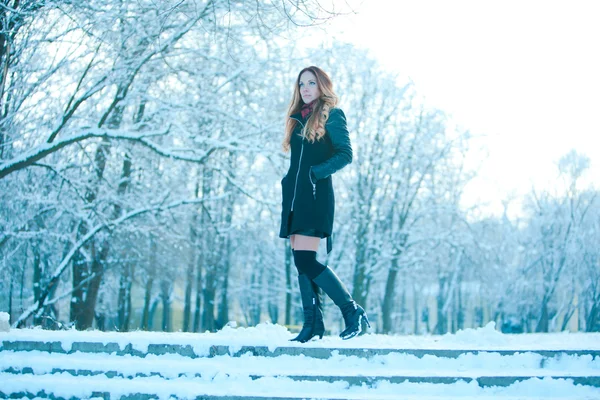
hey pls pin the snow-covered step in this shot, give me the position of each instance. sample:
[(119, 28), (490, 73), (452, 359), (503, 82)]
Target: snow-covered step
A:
[(261, 363), (240, 387), (264, 351), (362, 380), (487, 368)]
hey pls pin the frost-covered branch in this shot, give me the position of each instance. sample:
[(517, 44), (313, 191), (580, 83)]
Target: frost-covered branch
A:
[(73, 104), (29, 158), (93, 232)]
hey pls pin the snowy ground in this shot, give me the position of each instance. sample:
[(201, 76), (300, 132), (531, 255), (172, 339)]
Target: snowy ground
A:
[(227, 375), (274, 336)]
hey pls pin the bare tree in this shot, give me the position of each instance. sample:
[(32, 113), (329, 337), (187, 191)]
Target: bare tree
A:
[(94, 93)]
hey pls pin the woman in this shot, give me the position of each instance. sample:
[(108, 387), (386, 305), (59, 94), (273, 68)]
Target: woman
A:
[(317, 136)]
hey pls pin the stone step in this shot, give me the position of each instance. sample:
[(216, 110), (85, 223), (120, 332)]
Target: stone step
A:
[(352, 380), (142, 396), (65, 386), (518, 365), (264, 351), (150, 367)]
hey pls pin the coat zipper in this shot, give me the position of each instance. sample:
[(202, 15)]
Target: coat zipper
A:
[(299, 164), (314, 185)]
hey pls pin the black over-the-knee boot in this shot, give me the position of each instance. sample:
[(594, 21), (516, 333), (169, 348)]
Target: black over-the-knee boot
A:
[(313, 312), (352, 312)]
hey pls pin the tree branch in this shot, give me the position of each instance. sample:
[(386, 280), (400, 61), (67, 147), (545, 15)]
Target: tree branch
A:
[(29, 158), (95, 230)]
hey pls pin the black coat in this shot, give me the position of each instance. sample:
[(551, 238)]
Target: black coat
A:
[(308, 201)]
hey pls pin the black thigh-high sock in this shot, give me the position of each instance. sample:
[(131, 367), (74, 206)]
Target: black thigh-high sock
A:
[(306, 263)]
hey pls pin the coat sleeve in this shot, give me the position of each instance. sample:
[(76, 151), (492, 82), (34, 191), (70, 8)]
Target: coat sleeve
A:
[(342, 149)]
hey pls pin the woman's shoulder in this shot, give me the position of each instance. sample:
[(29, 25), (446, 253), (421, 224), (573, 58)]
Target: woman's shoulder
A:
[(336, 115)]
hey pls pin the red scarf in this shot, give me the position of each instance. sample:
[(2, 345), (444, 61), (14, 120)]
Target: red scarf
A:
[(307, 108)]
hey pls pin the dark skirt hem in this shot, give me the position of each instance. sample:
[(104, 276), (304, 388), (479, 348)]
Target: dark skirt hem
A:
[(309, 232)]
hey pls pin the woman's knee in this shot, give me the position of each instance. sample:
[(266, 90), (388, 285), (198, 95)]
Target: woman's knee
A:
[(306, 263)]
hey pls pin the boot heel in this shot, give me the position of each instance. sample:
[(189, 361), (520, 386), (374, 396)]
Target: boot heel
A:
[(366, 319)]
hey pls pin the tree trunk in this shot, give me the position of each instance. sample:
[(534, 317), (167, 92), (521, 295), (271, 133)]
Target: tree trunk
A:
[(152, 313), (12, 19), (126, 279), (10, 297), (86, 317), (571, 308), (225, 259), (100, 318), (165, 295), (272, 290), (402, 310), (223, 317), (223, 310), (460, 313), (145, 323), (22, 291), (208, 311), (542, 325), (85, 304), (189, 282), (203, 269), (592, 323), (441, 326), (416, 313), (124, 302), (255, 309), (79, 275), (273, 311), (361, 279), (388, 307), (288, 283), (199, 291), (85, 293), (37, 280)]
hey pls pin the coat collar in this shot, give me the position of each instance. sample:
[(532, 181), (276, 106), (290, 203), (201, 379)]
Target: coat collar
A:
[(298, 116)]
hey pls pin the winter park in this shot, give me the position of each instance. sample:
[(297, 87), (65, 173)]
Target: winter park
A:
[(299, 199)]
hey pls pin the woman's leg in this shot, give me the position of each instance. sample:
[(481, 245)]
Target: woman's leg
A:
[(353, 313), (309, 291), (305, 257), (301, 242)]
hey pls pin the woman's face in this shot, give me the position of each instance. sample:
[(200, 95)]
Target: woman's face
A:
[(309, 89)]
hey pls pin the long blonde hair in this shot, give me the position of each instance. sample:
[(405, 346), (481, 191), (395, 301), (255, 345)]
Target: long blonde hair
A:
[(315, 126)]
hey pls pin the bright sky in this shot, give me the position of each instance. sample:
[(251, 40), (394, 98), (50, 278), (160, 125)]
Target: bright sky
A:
[(526, 74)]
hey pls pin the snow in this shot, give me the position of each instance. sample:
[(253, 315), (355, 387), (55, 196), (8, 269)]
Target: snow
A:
[(274, 336), (171, 365), (4, 325), (248, 375), (66, 385)]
